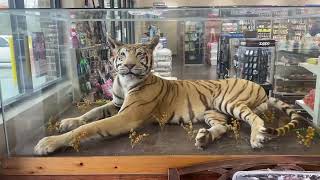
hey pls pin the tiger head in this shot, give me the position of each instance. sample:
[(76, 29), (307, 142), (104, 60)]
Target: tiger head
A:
[(133, 61)]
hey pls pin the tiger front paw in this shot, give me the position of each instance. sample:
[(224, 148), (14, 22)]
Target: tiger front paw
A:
[(70, 124), (257, 137), (48, 145), (202, 138)]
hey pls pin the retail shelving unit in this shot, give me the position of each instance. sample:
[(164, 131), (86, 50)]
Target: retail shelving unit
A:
[(292, 82), (315, 113), (193, 43)]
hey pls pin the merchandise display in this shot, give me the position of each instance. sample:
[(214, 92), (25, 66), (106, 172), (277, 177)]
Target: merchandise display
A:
[(264, 29), (311, 103), (249, 59), (297, 29), (253, 64), (161, 81), (309, 99), (246, 25), (228, 45), (212, 29), (95, 70), (162, 61), (292, 82), (193, 46), (280, 30)]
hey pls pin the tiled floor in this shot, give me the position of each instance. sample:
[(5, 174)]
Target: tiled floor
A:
[(193, 71)]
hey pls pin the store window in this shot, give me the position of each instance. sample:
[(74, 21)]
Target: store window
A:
[(37, 52), (8, 75), (44, 51)]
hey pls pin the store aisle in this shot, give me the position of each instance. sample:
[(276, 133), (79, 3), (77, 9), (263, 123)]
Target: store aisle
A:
[(198, 72)]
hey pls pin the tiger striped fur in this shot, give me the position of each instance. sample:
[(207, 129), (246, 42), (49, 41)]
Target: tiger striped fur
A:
[(140, 97)]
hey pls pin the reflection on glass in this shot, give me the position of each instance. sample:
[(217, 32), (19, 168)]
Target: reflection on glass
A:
[(37, 3), (8, 75), (43, 50), (4, 4)]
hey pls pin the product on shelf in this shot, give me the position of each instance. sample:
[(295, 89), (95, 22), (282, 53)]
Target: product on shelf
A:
[(253, 64), (211, 38), (312, 61), (297, 28), (95, 71), (246, 25), (253, 60), (292, 82), (230, 27), (309, 98), (162, 58), (263, 28), (280, 30), (224, 63), (193, 42)]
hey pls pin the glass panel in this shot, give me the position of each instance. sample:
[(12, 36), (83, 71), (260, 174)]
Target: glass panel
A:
[(174, 14), (66, 67), (4, 4), (44, 50), (37, 3), (8, 68)]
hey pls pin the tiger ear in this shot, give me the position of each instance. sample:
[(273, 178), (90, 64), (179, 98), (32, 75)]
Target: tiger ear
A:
[(154, 42), (114, 44)]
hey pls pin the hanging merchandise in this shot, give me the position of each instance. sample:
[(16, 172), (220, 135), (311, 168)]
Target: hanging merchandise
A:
[(74, 37), (253, 64), (225, 62), (254, 60), (83, 66), (94, 67)]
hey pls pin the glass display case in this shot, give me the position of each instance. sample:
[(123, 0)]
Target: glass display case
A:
[(58, 64)]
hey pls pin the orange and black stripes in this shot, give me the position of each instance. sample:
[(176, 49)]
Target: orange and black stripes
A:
[(294, 116)]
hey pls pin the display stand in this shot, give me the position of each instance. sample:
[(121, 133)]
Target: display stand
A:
[(315, 113)]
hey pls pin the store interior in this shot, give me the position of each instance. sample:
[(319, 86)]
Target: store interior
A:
[(72, 71)]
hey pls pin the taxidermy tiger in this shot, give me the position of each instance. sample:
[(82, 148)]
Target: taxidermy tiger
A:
[(139, 96)]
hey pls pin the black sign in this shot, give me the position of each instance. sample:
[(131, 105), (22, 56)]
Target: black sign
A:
[(260, 43), (159, 4)]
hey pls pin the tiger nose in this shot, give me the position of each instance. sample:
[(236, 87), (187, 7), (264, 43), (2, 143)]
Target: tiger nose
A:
[(129, 66)]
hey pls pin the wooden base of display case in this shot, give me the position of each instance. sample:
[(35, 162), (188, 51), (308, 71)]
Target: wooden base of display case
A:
[(134, 165)]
